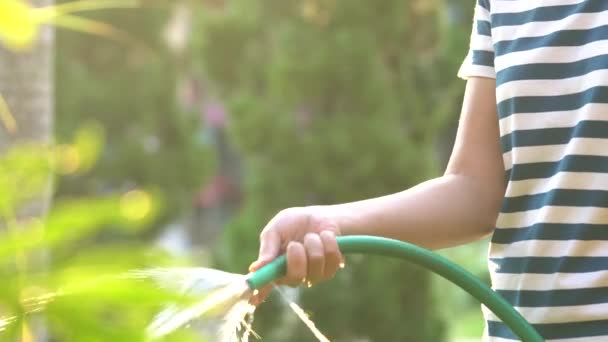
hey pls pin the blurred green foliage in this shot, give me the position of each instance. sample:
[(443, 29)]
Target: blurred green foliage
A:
[(330, 101), (130, 91), (334, 101), (60, 280), (51, 267)]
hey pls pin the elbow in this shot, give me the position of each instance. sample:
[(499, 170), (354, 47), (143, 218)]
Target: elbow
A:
[(484, 196), (488, 200)]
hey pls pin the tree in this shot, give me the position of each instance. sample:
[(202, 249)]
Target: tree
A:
[(26, 83), (334, 101)]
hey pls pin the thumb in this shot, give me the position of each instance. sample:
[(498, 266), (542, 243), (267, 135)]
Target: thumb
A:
[(270, 244)]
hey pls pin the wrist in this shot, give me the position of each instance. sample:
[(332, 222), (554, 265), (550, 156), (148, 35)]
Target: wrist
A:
[(341, 215)]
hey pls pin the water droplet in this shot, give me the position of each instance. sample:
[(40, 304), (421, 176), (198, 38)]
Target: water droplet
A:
[(309, 284), (304, 317), (256, 292), (342, 265)]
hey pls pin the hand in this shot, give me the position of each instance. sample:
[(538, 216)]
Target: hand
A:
[(307, 236)]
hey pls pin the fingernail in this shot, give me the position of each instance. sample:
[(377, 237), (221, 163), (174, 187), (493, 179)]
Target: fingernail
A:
[(328, 232), (310, 234), (291, 244), (253, 266)]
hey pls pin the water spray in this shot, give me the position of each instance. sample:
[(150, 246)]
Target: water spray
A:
[(422, 257)]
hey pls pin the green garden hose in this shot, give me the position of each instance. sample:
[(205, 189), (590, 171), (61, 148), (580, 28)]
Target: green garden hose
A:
[(423, 257)]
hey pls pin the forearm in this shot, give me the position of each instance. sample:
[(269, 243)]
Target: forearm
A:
[(443, 212)]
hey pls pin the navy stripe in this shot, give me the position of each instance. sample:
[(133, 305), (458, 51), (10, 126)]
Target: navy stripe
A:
[(484, 3), (551, 71), (507, 176), (539, 104), (554, 330), (554, 136), (485, 58), (548, 265), (548, 13), (484, 28), (547, 298), (557, 38), (556, 197), (570, 163), (552, 231)]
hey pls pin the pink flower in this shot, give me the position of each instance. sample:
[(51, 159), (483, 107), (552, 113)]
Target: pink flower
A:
[(214, 114)]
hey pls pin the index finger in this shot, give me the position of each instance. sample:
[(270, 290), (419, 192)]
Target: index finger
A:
[(270, 244)]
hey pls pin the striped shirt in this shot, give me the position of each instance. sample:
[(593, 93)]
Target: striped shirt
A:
[(548, 255)]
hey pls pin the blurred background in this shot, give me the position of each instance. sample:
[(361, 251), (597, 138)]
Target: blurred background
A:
[(167, 134)]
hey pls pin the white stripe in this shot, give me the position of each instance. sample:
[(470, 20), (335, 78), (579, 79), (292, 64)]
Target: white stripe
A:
[(546, 248), (565, 86), (495, 339), (554, 281), (553, 214), (481, 14), (562, 180), (579, 339), (591, 111), (481, 42), (467, 71), (522, 6), (490, 316), (553, 153), (579, 21), (551, 54), (561, 314)]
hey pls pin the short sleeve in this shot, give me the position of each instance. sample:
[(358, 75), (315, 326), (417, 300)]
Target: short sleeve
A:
[(480, 58)]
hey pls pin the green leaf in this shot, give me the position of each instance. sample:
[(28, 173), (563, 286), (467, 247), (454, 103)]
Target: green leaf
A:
[(84, 25), (72, 220), (47, 14), (24, 173), (6, 117), (20, 22)]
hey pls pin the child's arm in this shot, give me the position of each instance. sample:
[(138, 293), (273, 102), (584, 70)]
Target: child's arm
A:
[(456, 208), (459, 207)]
